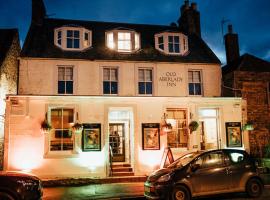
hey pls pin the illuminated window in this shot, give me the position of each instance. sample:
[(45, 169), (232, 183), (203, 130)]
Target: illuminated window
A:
[(145, 81), (123, 40), (72, 38), (178, 137), (61, 136), (194, 83), (110, 80), (171, 43), (65, 80)]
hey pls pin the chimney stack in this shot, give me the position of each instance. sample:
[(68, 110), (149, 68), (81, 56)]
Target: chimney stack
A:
[(231, 45), (189, 20), (38, 12)]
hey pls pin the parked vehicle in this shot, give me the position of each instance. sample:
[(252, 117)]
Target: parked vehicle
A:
[(205, 173), (19, 186)]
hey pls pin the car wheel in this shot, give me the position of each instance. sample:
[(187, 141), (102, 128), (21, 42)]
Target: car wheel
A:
[(180, 192), (6, 196), (254, 188)]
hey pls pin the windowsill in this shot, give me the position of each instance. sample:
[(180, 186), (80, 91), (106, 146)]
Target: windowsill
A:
[(61, 154)]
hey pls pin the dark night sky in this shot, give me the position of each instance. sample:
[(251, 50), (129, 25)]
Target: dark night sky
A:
[(250, 18)]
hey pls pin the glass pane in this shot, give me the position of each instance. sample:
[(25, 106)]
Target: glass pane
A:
[(208, 112), (141, 88), (191, 88), (176, 39), (61, 73), (69, 73), (176, 48), (69, 87), (59, 34), (67, 133), (196, 77), (76, 34), (149, 88), (76, 43), (160, 40), (161, 46), (137, 41), (110, 42), (124, 45), (141, 75), (190, 77), (56, 118), (113, 75), (114, 89), (59, 41), (61, 87), (171, 48), (86, 36), (69, 33), (148, 75), (123, 36), (106, 87), (69, 43), (198, 89), (106, 74), (170, 39)]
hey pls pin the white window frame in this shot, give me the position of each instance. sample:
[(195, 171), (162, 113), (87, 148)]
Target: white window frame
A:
[(110, 79), (73, 81), (112, 41), (183, 43), (152, 81), (201, 82), (82, 43)]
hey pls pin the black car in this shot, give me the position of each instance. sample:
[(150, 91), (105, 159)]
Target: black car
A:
[(206, 173), (19, 186)]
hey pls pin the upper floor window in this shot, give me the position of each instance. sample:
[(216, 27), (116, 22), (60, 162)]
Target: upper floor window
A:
[(110, 80), (61, 136), (65, 80), (145, 81), (123, 40), (171, 43), (194, 82), (72, 38)]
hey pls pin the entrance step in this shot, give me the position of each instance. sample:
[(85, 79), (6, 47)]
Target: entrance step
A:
[(122, 169)]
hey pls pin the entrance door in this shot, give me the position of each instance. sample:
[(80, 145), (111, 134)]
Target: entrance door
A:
[(117, 141)]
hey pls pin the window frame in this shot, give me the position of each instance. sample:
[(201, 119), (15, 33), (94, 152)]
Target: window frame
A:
[(135, 40), (63, 32), (268, 93), (145, 81), (201, 82), (183, 43), (65, 81), (110, 80)]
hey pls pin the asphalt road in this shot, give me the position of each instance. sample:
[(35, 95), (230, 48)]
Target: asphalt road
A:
[(123, 191)]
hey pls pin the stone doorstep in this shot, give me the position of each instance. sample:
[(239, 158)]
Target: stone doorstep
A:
[(88, 181)]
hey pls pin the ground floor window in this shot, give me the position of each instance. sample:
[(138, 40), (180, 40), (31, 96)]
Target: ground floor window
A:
[(61, 136), (178, 137)]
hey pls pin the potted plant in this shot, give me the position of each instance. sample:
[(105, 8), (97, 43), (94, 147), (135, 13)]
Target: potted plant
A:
[(77, 127), (45, 126), (193, 126), (249, 126)]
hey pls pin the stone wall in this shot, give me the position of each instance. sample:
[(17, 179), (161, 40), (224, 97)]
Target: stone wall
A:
[(253, 87)]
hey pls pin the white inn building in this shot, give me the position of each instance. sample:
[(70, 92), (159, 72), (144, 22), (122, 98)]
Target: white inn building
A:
[(125, 83)]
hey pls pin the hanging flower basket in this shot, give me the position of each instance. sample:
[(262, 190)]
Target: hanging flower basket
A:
[(77, 127), (45, 126), (193, 126), (249, 126)]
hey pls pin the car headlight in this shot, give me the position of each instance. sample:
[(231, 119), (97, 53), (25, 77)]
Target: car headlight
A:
[(164, 178)]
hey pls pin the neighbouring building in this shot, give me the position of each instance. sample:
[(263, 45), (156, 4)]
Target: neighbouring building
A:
[(248, 77), (133, 87), (9, 53)]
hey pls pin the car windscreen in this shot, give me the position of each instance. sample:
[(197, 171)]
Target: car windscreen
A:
[(184, 160)]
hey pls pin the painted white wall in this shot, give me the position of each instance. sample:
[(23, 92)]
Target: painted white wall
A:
[(39, 77), (26, 144)]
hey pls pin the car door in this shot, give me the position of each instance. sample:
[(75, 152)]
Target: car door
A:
[(238, 167), (210, 175)]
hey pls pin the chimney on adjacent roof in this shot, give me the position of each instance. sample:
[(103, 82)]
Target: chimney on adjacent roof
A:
[(189, 20), (38, 12), (231, 45)]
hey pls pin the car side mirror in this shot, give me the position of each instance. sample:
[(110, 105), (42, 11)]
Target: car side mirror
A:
[(195, 167)]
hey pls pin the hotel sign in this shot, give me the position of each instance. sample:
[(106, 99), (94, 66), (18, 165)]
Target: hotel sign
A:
[(171, 79)]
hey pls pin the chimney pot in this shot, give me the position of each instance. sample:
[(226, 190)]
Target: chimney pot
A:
[(194, 6), (230, 28)]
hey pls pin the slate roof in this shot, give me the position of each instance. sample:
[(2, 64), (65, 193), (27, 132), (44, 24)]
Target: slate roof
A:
[(6, 38), (247, 62), (39, 43)]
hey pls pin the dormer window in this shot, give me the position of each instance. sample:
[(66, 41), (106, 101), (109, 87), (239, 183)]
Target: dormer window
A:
[(123, 40), (171, 43), (72, 38)]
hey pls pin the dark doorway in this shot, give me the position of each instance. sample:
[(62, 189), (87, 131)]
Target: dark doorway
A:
[(117, 141)]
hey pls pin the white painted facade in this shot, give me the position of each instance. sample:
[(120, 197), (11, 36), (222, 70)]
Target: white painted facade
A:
[(27, 147)]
